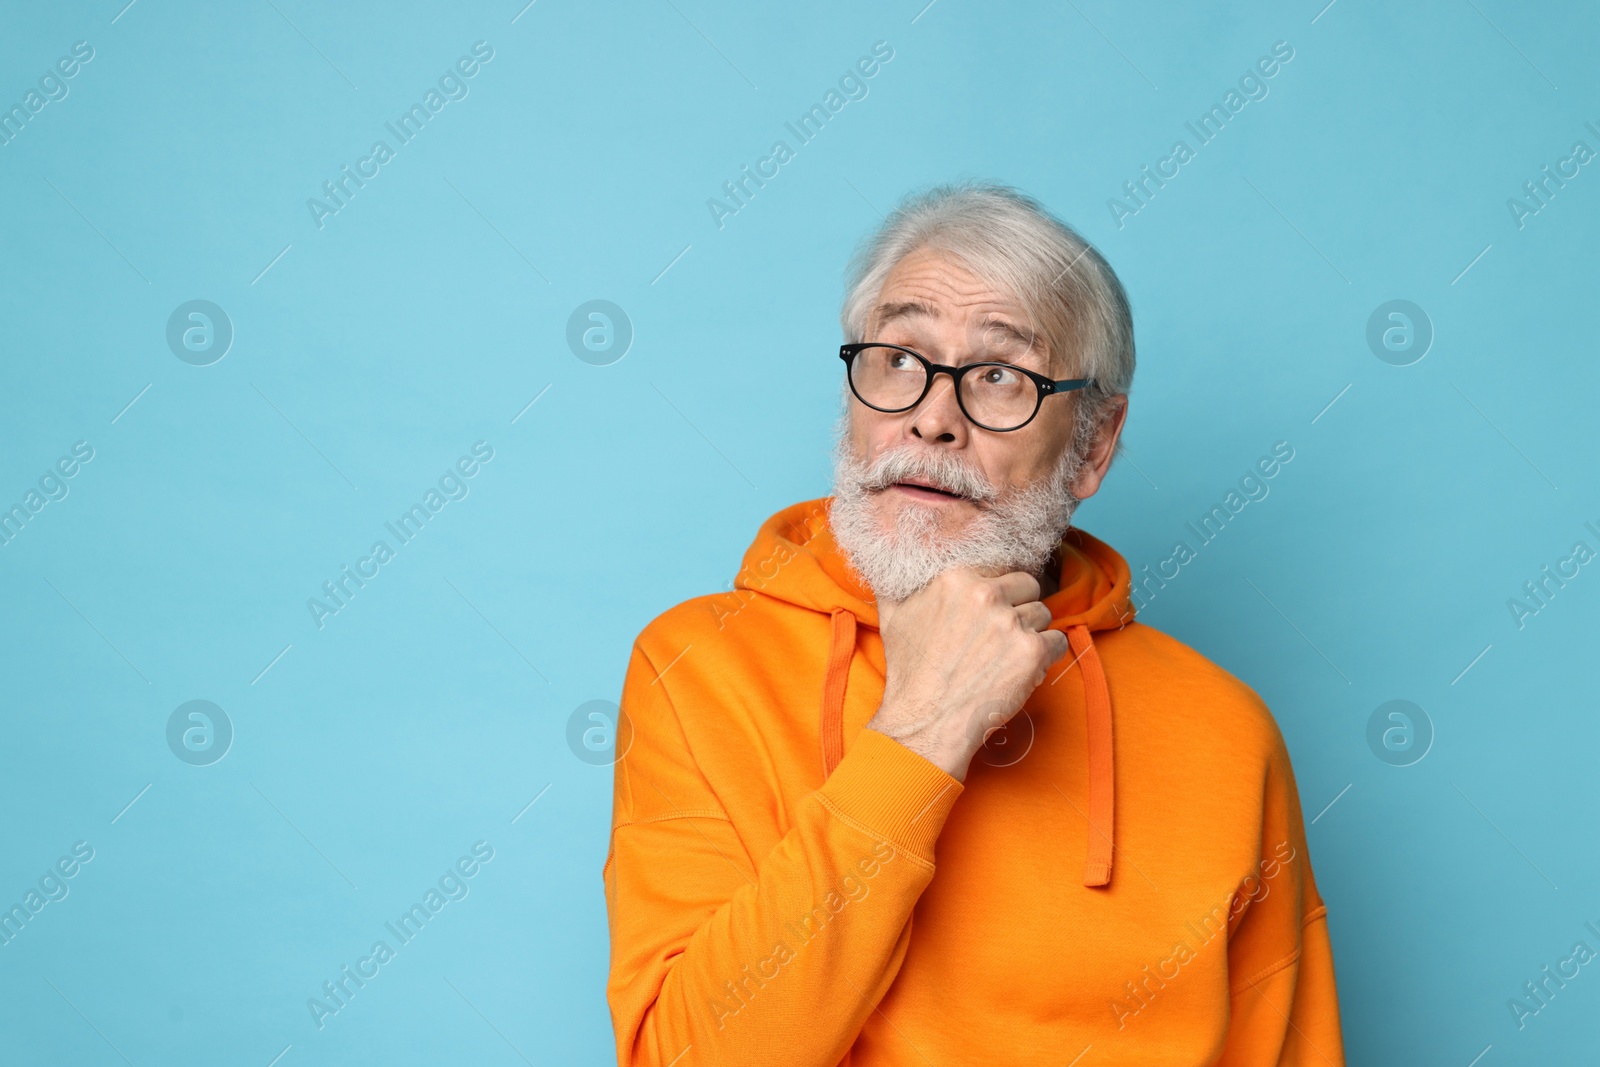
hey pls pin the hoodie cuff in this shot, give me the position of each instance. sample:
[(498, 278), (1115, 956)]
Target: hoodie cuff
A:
[(882, 786)]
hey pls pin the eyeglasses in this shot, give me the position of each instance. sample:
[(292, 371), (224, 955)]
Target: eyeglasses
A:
[(1000, 397)]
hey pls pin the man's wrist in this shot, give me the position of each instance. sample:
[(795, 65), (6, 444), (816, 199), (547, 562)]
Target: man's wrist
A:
[(940, 752)]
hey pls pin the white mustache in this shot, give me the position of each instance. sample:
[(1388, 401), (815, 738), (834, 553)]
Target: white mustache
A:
[(944, 470)]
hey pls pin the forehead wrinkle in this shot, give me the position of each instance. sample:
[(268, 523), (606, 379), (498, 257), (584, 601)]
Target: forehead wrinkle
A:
[(933, 282), (930, 281), (998, 314)]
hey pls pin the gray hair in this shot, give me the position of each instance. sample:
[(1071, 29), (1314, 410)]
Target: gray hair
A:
[(1070, 294)]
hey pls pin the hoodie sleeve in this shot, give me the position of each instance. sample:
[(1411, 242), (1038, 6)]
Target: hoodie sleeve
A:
[(1284, 1003), (736, 958)]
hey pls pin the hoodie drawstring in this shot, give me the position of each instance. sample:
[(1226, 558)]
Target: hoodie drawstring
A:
[(1097, 722), (841, 650), (1102, 781)]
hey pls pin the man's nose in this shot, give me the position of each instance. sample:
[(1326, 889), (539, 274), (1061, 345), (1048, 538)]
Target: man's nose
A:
[(939, 417)]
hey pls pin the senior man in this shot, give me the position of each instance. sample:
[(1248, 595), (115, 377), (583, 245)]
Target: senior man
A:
[(920, 790)]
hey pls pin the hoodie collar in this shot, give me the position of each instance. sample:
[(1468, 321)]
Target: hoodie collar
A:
[(796, 559)]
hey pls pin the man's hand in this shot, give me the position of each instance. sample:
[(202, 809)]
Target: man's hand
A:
[(963, 654)]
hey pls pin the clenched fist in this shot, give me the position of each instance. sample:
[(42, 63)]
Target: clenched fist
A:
[(963, 654)]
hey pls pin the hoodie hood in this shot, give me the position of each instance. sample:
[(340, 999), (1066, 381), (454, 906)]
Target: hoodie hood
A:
[(812, 572)]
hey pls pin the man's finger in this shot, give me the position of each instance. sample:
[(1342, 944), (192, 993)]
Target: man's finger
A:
[(1055, 643), (1033, 615), (1018, 587)]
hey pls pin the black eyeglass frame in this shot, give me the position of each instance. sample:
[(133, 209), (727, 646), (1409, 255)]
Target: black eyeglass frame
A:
[(1046, 385)]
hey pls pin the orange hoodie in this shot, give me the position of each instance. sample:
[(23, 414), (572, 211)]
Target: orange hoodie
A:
[(1122, 878)]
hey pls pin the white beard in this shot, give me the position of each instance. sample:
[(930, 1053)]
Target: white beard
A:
[(1017, 530)]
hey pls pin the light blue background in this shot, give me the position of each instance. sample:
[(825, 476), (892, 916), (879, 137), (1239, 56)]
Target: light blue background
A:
[(424, 317)]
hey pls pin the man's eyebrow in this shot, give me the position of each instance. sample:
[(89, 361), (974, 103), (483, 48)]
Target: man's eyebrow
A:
[(1022, 336), (901, 309)]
